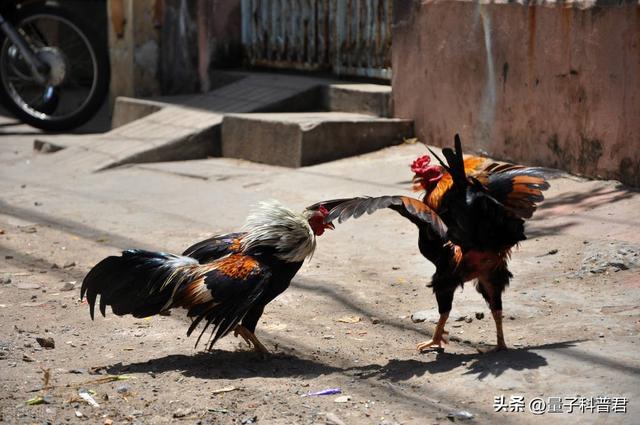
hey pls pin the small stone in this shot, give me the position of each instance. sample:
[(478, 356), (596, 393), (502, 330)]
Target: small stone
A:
[(342, 399), (46, 342), (479, 315), (27, 358), (375, 320), (69, 264), (123, 389), (468, 319), (250, 420), (5, 280), (107, 422), (461, 415), (79, 414), (68, 286)]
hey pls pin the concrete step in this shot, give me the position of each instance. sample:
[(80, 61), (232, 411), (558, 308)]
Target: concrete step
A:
[(153, 131), (370, 99), (301, 139), (189, 126)]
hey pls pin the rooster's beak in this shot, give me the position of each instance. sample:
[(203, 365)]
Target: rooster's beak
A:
[(330, 226), (417, 183)]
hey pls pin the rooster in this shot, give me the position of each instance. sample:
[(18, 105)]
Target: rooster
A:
[(471, 216), (225, 281)]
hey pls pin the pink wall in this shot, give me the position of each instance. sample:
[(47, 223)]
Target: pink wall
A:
[(546, 85)]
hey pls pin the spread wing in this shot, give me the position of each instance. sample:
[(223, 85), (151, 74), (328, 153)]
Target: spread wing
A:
[(215, 247), (410, 208), (517, 187)]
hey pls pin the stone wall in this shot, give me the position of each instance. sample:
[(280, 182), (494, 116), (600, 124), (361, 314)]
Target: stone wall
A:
[(553, 84), (164, 47)]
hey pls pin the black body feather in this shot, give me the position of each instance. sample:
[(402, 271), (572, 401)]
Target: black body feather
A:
[(139, 282), (143, 283)]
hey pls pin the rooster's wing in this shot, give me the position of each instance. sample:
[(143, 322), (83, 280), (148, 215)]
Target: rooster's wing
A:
[(412, 209), (215, 247)]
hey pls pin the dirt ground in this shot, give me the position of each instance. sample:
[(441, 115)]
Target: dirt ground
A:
[(572, 313)]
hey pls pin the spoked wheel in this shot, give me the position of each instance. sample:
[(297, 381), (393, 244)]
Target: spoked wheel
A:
[(75, 80)]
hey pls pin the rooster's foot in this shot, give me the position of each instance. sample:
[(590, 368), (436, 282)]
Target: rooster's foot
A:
[(251, 339), (499, 347), (436, 342)]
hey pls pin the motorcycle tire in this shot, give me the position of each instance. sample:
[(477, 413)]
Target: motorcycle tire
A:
[(100, 83)]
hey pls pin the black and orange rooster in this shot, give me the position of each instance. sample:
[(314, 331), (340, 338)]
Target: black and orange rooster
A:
[(225, 281), (470, 218)]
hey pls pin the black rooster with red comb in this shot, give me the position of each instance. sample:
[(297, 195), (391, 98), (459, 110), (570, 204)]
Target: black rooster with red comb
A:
[(471, 216)]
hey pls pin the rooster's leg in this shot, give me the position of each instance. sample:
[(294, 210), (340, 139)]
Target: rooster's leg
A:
[(438, 336), (497, 317), (250, 338), (491, 288)]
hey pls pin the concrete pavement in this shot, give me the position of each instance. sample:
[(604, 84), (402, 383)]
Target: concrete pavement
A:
[(572, 334)]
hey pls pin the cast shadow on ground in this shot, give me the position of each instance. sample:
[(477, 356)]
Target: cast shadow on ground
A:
[(221, 364), (480, 364), (588, 199)]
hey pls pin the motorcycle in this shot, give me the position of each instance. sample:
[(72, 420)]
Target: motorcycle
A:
[(54, 69)]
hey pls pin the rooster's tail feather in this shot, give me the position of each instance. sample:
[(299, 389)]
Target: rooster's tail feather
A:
[(140, 283)]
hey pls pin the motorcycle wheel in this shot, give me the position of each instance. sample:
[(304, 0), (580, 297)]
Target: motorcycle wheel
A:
[(78, 62)]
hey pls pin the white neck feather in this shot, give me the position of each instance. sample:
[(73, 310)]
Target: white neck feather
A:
[(273, 225)]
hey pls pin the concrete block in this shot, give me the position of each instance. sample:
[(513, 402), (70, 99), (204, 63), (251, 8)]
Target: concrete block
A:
[(301, 139), (129, 109), (371, 99)]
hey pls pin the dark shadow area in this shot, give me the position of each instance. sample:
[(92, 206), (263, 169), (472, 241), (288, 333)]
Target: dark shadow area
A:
[(220, 364), (480, 364), (587, 200), (100, 123), (538, 230)]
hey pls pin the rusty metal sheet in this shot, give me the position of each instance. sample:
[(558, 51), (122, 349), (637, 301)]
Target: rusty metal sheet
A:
[(345, 37)]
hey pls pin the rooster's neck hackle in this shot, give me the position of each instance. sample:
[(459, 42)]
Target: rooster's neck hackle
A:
[(274, 226)]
